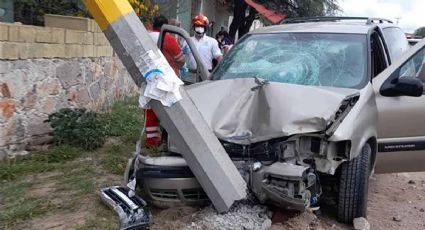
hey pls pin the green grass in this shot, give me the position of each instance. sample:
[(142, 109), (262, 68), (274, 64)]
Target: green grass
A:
[(77, 177), (74, 180), (37, 162), (23, 208), (115, 159), (125, 120), (17, 205), (74, 173), (103, 218)]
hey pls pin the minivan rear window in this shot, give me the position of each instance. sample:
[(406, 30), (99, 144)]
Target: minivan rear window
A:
[(396, 41)]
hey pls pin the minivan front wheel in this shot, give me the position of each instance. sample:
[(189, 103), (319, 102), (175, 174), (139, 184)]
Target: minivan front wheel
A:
[(353, 187)]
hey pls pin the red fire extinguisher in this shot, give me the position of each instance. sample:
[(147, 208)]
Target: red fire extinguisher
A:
[(152, 129)]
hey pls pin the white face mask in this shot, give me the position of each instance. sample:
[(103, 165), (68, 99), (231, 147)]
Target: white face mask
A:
[(199, 30)]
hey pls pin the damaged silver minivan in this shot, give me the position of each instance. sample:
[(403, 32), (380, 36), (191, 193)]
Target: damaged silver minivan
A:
[(303, 104)]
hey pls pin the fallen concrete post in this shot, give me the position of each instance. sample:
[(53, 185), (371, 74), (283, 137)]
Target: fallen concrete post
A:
[(204, 154)]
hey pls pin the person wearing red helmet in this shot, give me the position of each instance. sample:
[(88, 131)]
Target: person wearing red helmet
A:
[(207, 46)]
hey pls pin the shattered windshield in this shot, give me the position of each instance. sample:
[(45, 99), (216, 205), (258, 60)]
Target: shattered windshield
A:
[(337, 60)]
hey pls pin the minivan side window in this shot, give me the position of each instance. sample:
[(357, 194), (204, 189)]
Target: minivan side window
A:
[(396, 41), (415, 66)]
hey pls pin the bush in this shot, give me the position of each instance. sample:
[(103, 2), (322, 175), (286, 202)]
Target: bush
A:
[(77, 128)]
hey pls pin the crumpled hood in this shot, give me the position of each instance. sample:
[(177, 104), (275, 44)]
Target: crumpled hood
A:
[(242, 112)]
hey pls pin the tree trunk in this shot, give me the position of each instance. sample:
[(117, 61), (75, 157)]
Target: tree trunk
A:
[(244, 29), (238, 17)]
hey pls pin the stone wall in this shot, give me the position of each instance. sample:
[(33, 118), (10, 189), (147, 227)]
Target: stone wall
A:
[(63, 37), (36, 81)]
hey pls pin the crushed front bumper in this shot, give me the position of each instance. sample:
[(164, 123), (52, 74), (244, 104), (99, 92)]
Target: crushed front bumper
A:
[(168, 182)]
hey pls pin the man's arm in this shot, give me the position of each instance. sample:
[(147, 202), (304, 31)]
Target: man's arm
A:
[(216, 51), (180, 59), (175, 50)]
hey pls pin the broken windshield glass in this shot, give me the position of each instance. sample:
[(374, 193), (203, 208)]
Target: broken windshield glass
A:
[(337, 60)]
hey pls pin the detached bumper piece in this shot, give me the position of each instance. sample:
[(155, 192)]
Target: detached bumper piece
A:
[(132, 211)]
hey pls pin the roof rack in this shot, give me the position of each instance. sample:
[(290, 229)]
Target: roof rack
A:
[(332, 19)]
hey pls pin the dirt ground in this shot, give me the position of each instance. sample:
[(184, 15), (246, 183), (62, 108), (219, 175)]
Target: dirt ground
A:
[(66, 198), (396, 201)]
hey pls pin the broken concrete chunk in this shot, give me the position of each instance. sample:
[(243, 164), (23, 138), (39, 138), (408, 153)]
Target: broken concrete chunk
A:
[(266, 224), (361, 224), (241, 216), (248, 225)]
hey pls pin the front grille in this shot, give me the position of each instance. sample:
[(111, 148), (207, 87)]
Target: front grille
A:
[(153, 171), (119, 201), (165, 194), (194, 194), (262, 151)]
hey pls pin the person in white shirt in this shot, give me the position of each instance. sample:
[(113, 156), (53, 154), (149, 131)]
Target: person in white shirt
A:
[(207, 46)]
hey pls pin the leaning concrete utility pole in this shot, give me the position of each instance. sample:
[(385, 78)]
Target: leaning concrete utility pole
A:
[(203, 152)]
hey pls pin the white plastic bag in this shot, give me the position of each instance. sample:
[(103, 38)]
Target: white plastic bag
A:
[(162, 83)]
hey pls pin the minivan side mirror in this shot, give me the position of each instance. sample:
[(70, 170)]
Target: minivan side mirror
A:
[(403, 86)]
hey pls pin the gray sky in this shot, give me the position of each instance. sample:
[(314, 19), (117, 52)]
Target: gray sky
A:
[(410, 12)]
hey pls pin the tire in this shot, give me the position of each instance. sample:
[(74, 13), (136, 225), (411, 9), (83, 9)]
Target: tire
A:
[(353, 187)]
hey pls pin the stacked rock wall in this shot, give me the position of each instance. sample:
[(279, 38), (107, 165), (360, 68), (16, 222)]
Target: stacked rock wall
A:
[(43, 69)]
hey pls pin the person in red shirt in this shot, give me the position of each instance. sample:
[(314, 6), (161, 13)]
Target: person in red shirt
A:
[(175, 57), (171, 48)]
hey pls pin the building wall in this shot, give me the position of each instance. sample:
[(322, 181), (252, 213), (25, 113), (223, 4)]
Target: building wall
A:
[(43, 69), (216, 13), (167, 8), (184, 13)]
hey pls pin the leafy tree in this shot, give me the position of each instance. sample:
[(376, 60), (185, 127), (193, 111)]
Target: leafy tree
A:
[(291, 8), (420, 32), (303, 8), (145, 9), (241, 23), (32, 11)]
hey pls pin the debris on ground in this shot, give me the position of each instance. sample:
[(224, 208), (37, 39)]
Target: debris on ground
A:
[(266, 224), (173, 218), (361, 224), (411, 182), (305, 220), (396, 219), (132, 210), (243, 216)]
